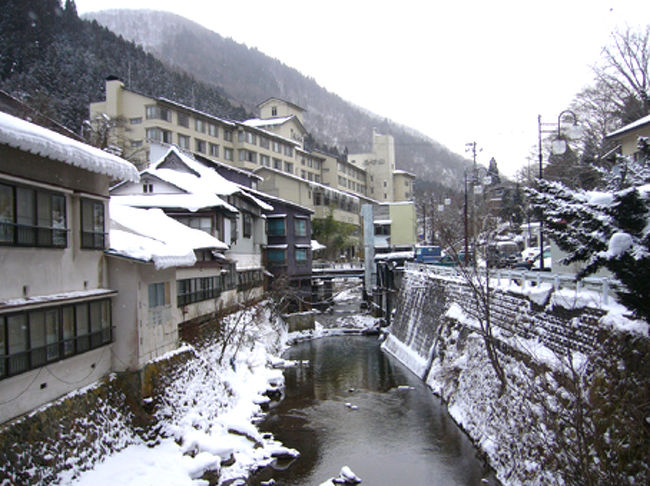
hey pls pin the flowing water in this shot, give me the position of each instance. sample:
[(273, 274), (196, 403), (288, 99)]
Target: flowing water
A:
[(348, 403)]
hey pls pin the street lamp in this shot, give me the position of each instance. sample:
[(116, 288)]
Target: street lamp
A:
[(558, 147)]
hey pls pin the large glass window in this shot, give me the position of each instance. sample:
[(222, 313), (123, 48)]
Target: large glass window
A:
[(32, 217), (92, 224), (275, 227), (34, 338)]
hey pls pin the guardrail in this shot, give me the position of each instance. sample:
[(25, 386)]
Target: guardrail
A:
[(603, 285)]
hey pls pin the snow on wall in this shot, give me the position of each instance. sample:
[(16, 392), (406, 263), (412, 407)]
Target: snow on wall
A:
[(539, 333), (37, 140)]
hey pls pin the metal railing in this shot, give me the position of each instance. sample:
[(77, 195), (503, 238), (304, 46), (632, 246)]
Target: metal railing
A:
[(603, 285)]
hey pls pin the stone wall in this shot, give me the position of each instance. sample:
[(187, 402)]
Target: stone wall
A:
[(53, 443), (578, 391)]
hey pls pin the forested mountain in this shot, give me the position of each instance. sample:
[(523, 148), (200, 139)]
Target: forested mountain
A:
[(57, 63), (249, 77)]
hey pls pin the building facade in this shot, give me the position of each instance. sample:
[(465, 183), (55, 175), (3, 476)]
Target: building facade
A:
[(56, 322)]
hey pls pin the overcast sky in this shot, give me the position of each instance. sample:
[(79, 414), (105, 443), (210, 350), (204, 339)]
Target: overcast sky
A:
[(457, 71)]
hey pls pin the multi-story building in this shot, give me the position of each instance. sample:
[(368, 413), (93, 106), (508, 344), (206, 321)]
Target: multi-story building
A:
[(56, 325), (273, 145)]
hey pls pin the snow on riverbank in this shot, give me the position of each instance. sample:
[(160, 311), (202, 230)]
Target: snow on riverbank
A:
[(206, 417)]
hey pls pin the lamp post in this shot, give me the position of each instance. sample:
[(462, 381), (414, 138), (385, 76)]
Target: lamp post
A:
[(558, 147)]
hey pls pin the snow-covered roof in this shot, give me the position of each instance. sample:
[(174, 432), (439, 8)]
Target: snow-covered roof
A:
[(37, 140), (315, 245), (191, 202), (267, 122), (204, 182), (630, 126), (151, 235), (198, 112), (405, 173)]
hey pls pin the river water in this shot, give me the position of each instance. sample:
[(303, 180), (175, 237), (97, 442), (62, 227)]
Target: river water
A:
[(348, 403)]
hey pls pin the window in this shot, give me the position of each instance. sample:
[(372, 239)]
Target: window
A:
[(303, 174), (183, 141), (248, 137), (92, 224), (200, 145), (192, 290), (136, 143), (275, 226), (147, 188), (159, 135), (288, 167), (276, 256), (264, 142), (317, 178), (199, 125), (301, 256), (228, 153), (382, 229), (300, 226), (135, 121), (233, 230), (288, 150), (154, 112), (213, 130), (30, 339), (247, 225), (32, 217), (203, 223), (183, 120), (277, 147), (265, 160), (214, 150), (277, 164), (310, 176), (247, 156), (158, 294), (274, 111), (227, 135)]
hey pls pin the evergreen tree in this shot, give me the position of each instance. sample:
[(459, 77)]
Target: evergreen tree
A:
[(606, 229)]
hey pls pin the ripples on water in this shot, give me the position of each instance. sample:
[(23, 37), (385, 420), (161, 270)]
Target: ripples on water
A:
[(399, 435)]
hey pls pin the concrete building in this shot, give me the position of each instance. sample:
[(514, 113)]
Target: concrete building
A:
[(56, 324), (275, 141), (153, 264), (379, 164), (387, 228)]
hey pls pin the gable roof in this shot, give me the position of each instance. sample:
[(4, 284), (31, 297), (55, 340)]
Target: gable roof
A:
[(261, 123), (283, 101), (37, 140)]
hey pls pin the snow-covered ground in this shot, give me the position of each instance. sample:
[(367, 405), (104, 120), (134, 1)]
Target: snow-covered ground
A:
[(206, 418)]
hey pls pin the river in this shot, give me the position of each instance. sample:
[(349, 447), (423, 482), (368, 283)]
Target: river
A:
[(349, 403)]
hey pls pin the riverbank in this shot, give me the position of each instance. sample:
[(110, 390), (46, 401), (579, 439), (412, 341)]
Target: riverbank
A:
[(197, 427)]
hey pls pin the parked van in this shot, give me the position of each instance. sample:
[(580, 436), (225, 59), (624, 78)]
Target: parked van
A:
[(427, 254)]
